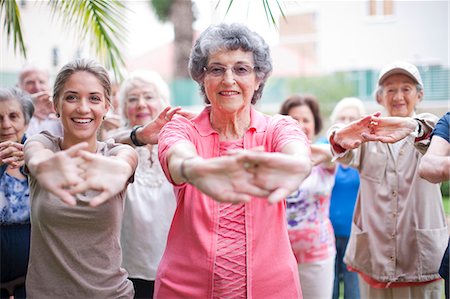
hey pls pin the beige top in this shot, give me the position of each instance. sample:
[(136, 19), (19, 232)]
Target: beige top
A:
[(75, 251), (399, 231)]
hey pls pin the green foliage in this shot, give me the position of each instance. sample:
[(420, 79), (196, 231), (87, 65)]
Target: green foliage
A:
[(161, 8), (12, 26), (445, 188), (102, 19), (328, 89)]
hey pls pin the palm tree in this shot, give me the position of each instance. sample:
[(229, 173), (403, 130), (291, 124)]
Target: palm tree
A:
[(181, 15), (102, 20)]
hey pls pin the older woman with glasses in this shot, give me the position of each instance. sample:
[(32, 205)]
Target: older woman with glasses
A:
[(16, 110), (232, 168)]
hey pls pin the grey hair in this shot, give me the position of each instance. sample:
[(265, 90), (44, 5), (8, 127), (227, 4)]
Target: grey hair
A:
[(350, 102), (143, 77), (82, 65), (230, 37), (24, 99)]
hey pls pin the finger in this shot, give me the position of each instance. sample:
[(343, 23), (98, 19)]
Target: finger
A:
[(278, 194), (253, 190), (99, 199), (17, 145), (172, 112), (80, 187), (163, 113), (72, 151), (376, 114), (65, 196), (86, 156)]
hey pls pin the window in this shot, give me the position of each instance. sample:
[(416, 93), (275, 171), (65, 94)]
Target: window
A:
[(381, 7)]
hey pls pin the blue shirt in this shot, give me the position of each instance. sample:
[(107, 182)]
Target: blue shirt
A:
[(343, 198)]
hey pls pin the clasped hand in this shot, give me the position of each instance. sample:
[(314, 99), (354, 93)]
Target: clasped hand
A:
[(244, 174), (11, 153), (73, 172), (374, 128)]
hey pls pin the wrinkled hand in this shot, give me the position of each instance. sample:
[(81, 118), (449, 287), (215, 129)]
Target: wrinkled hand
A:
[(150, 132), (225, 179), (61, 173), (279, 174), (390, 129), (352, 135), (244, 174), (102, 174), (11, 153)]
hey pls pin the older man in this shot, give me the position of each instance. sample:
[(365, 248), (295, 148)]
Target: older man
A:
[(35, 81), (399, 230)]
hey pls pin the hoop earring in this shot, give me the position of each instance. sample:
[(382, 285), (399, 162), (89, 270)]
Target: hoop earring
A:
[(58, 115), (103, 117)]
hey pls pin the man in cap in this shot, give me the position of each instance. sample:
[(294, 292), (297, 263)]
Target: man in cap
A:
[(35, 81), (399, 230)]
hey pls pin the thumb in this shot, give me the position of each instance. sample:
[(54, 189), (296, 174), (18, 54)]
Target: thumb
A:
[(72, 151)]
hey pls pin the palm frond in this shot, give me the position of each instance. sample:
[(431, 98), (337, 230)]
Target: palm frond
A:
[(12, 25), (101, 20), (267, 9)]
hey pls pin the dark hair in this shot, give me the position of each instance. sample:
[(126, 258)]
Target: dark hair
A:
[(304, 100), (230, 37), (82, 65), (24, 99)]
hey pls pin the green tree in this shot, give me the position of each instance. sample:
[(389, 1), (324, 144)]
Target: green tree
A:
[(181, 15), (104, 22), (100, 20)]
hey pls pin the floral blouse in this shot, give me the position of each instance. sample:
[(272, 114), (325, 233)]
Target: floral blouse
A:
[(14, 200), (310, 229)]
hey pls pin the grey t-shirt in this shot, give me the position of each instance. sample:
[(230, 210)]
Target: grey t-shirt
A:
[(75, 250)]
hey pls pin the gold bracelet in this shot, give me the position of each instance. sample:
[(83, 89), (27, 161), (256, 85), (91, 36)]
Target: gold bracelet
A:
[(183, 170)]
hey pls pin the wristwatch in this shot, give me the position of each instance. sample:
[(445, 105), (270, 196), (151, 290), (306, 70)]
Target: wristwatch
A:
[(133, 136)]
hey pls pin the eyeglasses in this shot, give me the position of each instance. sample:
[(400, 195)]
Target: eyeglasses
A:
[(240, 70)]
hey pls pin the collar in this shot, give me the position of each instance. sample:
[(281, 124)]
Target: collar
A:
[(202, 123)]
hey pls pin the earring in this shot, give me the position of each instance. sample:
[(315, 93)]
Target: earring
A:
[(103, 117), (58, 115)]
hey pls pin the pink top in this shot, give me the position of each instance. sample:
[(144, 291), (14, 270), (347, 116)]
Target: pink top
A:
[(230, 275), (187, 267)]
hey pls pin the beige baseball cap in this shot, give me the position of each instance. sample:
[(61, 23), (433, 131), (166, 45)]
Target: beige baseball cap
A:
[(400, 67)]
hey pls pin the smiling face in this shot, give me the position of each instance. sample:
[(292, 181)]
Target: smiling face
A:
[(12, 121), (82, 106), (232, 91), (142, 104), (305, 118), (399, 95)]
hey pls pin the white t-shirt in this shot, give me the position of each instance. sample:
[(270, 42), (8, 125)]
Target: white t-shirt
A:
[(149, 208)]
